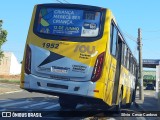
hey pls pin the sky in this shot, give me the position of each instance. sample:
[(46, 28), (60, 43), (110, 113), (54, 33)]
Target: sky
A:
[(130, 15)]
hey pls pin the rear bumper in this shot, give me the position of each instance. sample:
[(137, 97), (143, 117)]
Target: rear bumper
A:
[(58, 87)]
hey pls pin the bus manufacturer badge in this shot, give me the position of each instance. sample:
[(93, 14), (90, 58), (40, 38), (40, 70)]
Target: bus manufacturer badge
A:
[(79, 68), (58, 69)]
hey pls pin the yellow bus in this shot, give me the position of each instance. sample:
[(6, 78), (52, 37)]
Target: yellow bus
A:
[(78, 53)]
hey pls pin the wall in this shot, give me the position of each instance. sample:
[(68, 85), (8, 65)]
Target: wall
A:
[(5, 64), (149, 75), (9, 65), (15, 67)]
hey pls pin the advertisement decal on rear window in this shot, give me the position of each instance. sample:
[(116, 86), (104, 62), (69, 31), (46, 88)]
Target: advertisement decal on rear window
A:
[(69, 22)]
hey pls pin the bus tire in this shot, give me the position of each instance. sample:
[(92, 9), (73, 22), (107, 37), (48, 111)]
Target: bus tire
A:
[(67, 103), (118, 107)]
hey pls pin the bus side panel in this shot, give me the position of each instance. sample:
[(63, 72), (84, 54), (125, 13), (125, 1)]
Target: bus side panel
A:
[(123, 82), (131, 87), (102, 84), (127, 80), (108, 83), (128, 89), (121, 86), (109, 67), (111, 79)]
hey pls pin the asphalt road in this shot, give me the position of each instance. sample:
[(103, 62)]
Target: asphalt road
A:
[(20, 101)]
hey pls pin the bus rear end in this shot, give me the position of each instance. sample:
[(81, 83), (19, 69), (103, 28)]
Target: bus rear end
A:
[(65, 51)]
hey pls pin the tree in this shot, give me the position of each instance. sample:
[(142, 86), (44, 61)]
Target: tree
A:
[(3, 38)]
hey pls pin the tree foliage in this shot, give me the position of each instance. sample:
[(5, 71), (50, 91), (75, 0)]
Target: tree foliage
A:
[(3, 38)]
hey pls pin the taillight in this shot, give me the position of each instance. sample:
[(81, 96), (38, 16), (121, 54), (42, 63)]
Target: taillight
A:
[(28, 60), (98, 67)]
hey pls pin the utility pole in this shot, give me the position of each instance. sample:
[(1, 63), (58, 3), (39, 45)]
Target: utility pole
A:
[(141, 92)]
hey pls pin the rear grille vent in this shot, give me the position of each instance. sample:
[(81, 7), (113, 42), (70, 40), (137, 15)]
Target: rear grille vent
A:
[(57, 86), (60, 78)]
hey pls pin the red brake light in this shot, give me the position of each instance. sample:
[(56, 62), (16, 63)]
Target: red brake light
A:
[(28, 60), (98, 67)]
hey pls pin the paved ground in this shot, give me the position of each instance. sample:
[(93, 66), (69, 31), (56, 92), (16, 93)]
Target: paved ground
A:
[(21, 100), (149, 105), (8, 88), (15, 92)]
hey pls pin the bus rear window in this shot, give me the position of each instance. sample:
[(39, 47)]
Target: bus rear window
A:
[(69, 22)]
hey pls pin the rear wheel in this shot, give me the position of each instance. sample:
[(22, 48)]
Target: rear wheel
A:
[(67, 102)]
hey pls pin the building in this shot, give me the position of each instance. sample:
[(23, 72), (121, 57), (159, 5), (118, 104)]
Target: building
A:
[(149, 76), (9, 65), (154, 63)]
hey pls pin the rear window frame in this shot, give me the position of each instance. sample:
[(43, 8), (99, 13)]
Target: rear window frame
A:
[(70, 38)]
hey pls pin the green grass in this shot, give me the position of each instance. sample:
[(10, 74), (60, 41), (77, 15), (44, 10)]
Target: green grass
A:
[(10, 81)]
